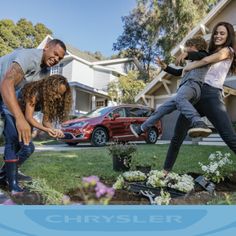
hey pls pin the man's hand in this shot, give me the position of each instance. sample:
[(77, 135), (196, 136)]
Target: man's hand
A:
[(181, 58), (24, 131), (161, 63)]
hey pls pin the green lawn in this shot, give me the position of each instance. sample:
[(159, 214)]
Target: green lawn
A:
[(62, 170)]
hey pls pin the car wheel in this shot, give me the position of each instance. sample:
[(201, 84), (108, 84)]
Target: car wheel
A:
[(152, 136), (71, 144), (99, 137)]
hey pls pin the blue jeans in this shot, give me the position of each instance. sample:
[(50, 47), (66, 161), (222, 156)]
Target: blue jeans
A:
[(187, 95), (15, 151), (212, 106)]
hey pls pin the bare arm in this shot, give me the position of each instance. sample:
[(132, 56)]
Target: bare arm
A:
[(29, 115), (223, 54), (14, 76), (46, 127), (46, 122)]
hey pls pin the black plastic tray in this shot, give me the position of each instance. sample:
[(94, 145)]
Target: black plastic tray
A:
[(136, 187)]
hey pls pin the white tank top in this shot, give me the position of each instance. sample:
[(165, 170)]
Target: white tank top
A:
[(217, 73)]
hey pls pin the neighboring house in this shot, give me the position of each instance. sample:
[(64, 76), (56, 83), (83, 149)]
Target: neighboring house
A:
[(89, 77), (164, 85)]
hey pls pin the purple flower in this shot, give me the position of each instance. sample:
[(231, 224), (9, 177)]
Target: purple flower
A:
[(91, 179), (103, 190), (100, 189), (110, 192)]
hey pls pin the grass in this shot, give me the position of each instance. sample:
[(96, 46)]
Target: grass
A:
[(62, 170)]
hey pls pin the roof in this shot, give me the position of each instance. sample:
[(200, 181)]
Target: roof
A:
[(81, 54)]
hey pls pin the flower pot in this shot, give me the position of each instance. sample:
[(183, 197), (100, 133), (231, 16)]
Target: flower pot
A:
[(121, 164), (144, 169)]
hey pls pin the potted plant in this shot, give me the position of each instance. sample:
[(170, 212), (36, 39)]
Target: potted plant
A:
[(121, 155)]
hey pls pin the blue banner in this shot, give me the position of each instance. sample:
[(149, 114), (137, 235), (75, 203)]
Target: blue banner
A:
[(117, 220)]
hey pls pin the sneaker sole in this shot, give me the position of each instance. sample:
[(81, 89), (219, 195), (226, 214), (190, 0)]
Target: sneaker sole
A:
[(133, 131), (199, 132)]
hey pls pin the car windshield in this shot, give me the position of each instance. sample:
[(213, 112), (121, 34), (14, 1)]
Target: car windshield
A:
[(99, 112)]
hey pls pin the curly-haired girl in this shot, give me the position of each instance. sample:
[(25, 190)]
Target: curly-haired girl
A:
[(51, 96)]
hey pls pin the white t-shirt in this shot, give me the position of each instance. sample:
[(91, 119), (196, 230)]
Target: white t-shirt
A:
[(217, 73)]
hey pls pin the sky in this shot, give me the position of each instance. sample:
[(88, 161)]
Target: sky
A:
[(89, 25)]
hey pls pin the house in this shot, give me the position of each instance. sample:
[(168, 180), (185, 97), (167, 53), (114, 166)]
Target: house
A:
[(89, 77), (165, 85)]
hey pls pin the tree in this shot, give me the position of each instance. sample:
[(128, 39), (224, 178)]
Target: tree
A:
[(177, 18), (156, 26), (22, 34), (139, 38), (126, 88)]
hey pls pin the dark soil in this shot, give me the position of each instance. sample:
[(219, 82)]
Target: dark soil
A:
[(198, 196)]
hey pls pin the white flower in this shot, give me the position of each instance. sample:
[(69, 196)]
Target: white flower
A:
[(215, 170), (134, 176), (184, 183), (163, 199), (212, 156), (119, 184)]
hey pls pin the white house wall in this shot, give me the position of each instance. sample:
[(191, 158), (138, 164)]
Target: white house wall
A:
[(67, 70), (228, 14), (101, 79), (118, 67), (113, 77), (82, 73), (122, 67)]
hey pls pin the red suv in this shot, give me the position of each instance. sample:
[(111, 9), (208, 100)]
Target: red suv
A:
[(109, 124)]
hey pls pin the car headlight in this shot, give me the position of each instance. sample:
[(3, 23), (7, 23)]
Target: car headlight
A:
[(79, 124)]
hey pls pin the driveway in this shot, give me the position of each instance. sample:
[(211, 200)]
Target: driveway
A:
[(65, 147)]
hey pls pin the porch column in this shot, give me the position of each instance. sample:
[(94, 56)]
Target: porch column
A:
[(93, 102), (73, 91)]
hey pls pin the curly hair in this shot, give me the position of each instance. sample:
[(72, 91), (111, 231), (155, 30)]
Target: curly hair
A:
[(197, 41), (53, 105)]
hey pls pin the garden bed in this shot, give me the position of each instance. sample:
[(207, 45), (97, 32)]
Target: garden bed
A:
[(198, 196), (125, 197)]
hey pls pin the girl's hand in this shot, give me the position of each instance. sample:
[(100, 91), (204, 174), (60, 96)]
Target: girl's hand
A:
[(51, 132), (161, 63), (59, 133), (55, 133)]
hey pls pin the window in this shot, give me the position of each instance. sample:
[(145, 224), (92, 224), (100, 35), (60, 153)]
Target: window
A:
[(139, 112), (100, 104), (120, 111), (57, 69)]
